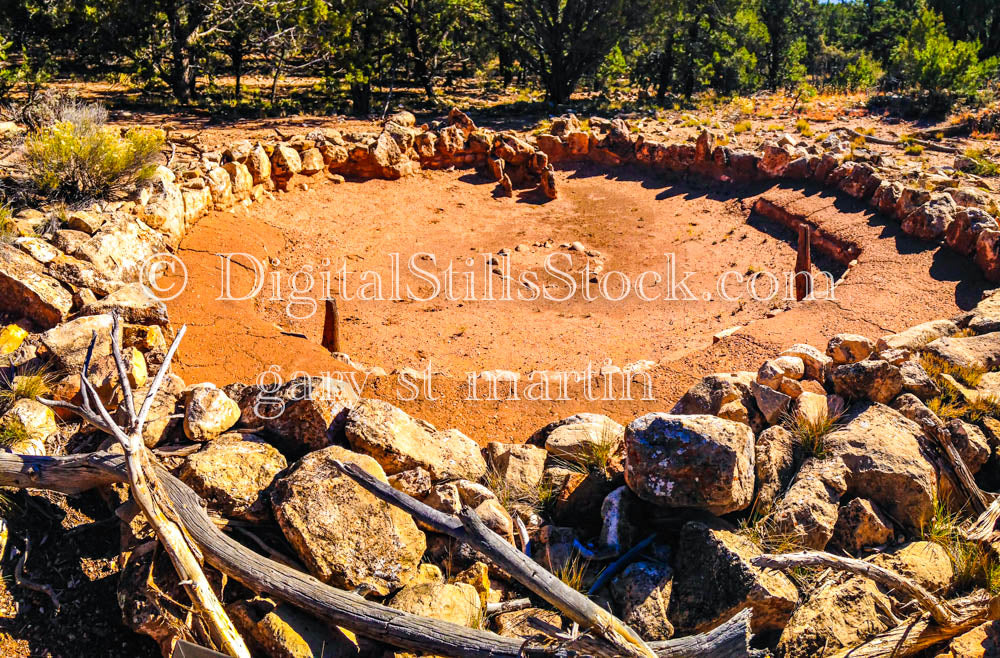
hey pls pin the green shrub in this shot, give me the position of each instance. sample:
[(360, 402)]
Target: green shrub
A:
[(742, 127), (983, 166), (913, 149), (927, 59), (79, 157), (8, 229)]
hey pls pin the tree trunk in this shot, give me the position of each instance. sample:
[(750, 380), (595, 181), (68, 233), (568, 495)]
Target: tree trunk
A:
[(236, 54), (361, 98), (666, 70), (181, 73)]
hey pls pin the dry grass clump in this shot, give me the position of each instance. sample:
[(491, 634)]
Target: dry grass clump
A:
[(804, 128), (28, 382), (742, 126), (935, 366), (974, 566), (983, 166), (810, 432), (572, 572), (78, 156), (12, 433), (8, 229)]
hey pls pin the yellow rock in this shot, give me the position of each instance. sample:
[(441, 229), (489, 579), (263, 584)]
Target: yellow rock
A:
[(144, 337), (427, 573), (136, 364), (11, 338), (479, 577)]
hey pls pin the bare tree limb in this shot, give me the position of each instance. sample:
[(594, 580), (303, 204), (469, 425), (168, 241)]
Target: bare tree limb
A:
[(468, 528), (941, 611)]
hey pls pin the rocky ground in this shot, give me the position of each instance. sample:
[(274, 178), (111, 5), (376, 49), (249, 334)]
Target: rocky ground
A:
[(823, 426)]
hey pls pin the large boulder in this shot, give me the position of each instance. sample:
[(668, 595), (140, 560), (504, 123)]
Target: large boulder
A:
[(66, 345), (774, 462), (808, 511), (399, 443), (343, 534), (714, 580), (931, 220), (981, 352), (25, 289), (520, 467), (121, 248), (234, 474), (133, 303), (849, 348), (700, 461), (916, 337), (457, 603), (964, 231)]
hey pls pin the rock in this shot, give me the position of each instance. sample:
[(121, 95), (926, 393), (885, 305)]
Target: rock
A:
[(208, 412), (221, 186), (775, 464), (306, 413), (548, 183), (886, 197), (344, 535), (582, 437), (282, 631), (496, 518), (811, 407), (849, 348), (982, 352), (164, 211), (121, 248), (843, 612), (909, 200), (153, 610), (642, 593), (988, 254), (700, 461), (875, 380), (775, 159), (27, 424), (399, 443), (25, 289), (773, 404), (285, 162), (917, 337), (234, 474), (312, 162), (11, 338), (520, 467), (808, 511), (886, 455), (197, 202), (726, 395), (517, 625), (133, 304), (241, 180), (456, 603), (964, 230), (444, 498), (714, 580), (415, 482), (67, 344), (930, 220), (861, 524), (617, 529), (82, 220), (581, 497), (983, 641), (917, 381), (773, 371), (163, 421), (259, 165), (925, 562), (815, 362), (971, 444)]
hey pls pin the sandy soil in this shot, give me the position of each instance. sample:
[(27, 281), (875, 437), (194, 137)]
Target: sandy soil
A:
[(625, 221)]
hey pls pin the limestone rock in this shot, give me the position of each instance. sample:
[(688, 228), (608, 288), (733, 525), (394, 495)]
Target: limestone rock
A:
[(714, 580), (726, 395), (983, 641), (415, 482), (25, 290), (221, 186), (916, 337), (930, 220), (133, 304), (208, 412), (312, 162), (67, 344), (774, 463), (259, 165), (815, 362), (282, 631), (971, 444), (241, 180), (399, 442), (234, 474), (578, 437), (285, 162), (772, 404), (121, 248), (849, 348), (981, 352), (964, 230), (642, 593), (861, 524), (701, 461), (343, 534), (808, 510), (917, 381), (456, 603), (521, 467), (773, 371), (875, 380)]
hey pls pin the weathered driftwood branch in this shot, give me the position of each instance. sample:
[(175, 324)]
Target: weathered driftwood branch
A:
[(75, 473), (984, 528), (892, 142), (468, 528), (916, 636), (148, 494), (940, 610)]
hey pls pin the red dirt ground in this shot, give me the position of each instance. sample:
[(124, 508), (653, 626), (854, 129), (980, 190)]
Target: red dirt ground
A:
[(631, 219)]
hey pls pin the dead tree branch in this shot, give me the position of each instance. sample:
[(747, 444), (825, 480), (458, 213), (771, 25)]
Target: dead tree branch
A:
[(941, 611), (468, 528)]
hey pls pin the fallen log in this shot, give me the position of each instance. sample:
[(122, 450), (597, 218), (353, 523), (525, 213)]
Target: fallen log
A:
[(74, 474), (469, 529)]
